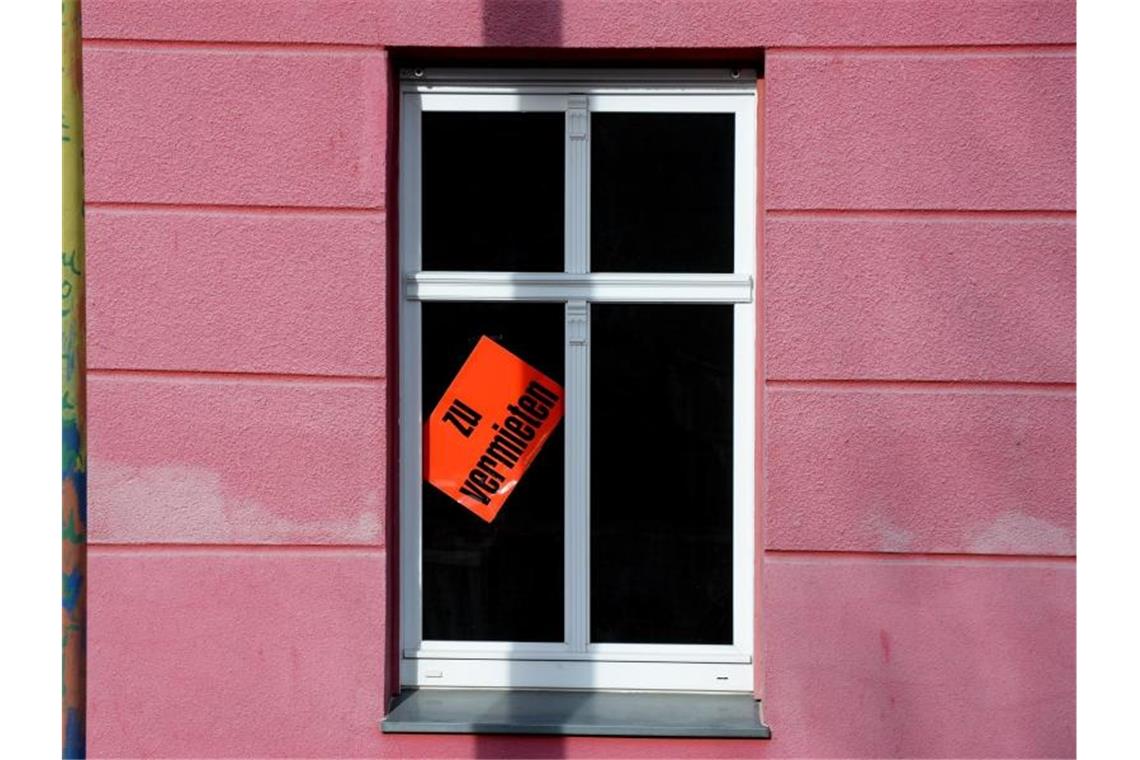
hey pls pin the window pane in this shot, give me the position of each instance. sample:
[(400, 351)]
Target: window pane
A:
[(492, 191), (661, 189), (498, 581), (661, 474)]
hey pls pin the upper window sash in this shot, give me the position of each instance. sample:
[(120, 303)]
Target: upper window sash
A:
[(463, 93)]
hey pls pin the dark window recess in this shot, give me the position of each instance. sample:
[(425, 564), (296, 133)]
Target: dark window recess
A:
[(662, 188), (500, 581), (661, 474), (493, 191)]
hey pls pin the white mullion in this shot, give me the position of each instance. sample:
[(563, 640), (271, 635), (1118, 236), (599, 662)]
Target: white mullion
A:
[(577, 185), (577, 474), (673, 675), (615, 287), (411, 474), (743, 381), (492, 650), (577, 408)]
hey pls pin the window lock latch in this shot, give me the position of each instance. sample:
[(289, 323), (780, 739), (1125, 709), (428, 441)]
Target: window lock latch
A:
[(577, 323), (578, 118)]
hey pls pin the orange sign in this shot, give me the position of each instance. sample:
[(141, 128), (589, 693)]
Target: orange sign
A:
[(488, 427)]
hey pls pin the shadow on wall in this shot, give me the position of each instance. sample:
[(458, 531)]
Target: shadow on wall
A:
[(521, 23)]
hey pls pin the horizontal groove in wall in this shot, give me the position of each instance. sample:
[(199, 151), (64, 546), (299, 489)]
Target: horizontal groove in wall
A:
[(996, 49), (1060, 49), (920, 215), (824, 554), (923, 386), (222, 209), (105, 43), (769, 554), (151, 548), (196, 376)]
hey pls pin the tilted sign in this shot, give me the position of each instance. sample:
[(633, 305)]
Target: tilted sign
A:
[(489, 426)]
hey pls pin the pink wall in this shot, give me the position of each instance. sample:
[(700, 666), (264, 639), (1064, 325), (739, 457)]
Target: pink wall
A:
[(917, 468)]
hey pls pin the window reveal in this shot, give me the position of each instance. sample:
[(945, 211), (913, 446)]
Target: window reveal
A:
[(605, 234)]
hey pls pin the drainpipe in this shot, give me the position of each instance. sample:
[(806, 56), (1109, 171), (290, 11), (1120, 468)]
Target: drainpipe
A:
[(74, 429)]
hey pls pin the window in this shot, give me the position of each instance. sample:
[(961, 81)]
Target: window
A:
[(600, 226)]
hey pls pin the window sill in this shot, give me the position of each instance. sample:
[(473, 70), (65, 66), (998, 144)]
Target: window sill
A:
[(575, 713)]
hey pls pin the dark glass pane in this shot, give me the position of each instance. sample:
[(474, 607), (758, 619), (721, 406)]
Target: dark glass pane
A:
[(661, 189), (492, 191), (661, 474), (498, 581)]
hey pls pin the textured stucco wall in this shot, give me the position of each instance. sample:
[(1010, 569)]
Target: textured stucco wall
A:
[(916, 508)]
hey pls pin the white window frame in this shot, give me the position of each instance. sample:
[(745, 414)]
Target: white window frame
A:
[(575, 663)]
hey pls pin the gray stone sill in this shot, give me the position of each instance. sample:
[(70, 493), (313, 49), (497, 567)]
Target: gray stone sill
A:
[(575, 713)]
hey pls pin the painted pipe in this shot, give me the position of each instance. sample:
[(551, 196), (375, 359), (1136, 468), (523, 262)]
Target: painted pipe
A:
[(74, 431)]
